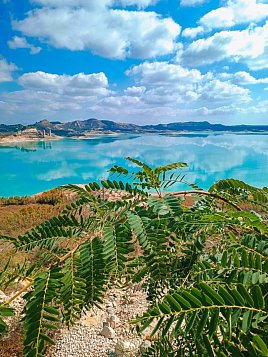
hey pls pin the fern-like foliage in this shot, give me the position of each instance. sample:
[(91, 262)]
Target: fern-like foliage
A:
[(40, 313), (5, 311), (240, 191), (73, 290), (93, 271), (204, 269)]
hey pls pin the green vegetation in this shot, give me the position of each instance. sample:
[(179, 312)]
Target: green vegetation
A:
[(52, 197), (204, 268)]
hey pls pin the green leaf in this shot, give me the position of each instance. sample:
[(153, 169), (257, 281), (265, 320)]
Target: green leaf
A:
[(214, 321), (202, 322), (212, 294), (246, 323), (260, 345), (257, 297)]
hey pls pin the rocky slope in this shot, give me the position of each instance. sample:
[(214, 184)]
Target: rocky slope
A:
[(92, 125)]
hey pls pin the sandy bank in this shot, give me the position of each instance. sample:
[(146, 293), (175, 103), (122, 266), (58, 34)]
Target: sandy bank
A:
[(24, 139)]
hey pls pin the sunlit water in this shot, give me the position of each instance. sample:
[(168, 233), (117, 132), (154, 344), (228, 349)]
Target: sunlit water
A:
[(38, 166)]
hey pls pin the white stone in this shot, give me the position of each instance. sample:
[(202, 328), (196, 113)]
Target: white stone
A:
[(113, 321), (107, 331), (144, 346), (125, 349), (110, 310)]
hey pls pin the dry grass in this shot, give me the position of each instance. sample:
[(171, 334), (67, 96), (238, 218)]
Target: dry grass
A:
[(18, 215), (12, 346)]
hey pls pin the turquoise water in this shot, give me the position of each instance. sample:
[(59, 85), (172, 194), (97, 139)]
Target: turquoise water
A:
[(33, 167)]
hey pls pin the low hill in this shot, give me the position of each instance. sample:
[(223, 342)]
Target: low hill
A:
[(83, 127)]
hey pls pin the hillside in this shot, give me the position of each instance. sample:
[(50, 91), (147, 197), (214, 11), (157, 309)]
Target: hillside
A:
[(92, 125)]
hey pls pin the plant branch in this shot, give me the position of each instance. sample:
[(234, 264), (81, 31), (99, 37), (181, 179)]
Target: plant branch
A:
[(21, 291), (205, 193)]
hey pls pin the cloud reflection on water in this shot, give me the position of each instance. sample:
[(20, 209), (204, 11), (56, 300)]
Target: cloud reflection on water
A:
[(34, 168)]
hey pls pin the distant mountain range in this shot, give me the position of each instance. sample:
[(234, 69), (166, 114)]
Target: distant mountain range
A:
[(84, 127)]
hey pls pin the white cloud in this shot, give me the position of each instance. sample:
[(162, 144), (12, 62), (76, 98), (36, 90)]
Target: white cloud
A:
[(6, 70), (192, 2), (164, 73), (235, 12), (260, 107), (21, 42), (223, 92), (94, 84), (108, 32), (93, 4), (170, 88), (248, 46), (162, 89), (60, 96), (135, 91), (193, 32), (139, 3), (242, 78), (161, 92)]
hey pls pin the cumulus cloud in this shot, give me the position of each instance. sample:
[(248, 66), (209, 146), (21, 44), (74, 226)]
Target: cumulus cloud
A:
[(139, 3), (242, 78), (193, 32), (79, 84), (135, 91), (59, 96), (101, 29), (259, 107), (235, 12), (6, 70), (192, 2), (21, 42), (93, 4), (223, 92), (161, 91), (249, 46), (164, 73), (173, 88)]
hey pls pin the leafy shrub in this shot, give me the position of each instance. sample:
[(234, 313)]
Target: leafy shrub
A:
[(204, 268)]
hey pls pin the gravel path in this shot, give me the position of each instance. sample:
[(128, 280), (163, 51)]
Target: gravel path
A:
[(85, 338)]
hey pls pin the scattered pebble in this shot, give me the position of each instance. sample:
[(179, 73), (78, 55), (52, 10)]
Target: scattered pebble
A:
[(88, 338)]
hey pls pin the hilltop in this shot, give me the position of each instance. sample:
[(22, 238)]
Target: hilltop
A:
[(95, 126)]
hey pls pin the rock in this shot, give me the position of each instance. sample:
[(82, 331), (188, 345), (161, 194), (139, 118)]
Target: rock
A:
[(3, 296), (109, 308), (89, 321), (113, 321), (107, 331), (125, 349), (144, 346)]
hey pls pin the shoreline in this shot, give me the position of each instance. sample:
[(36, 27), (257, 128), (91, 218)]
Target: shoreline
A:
[(17, 139)]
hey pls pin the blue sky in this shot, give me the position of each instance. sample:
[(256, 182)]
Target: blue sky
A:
[(140, 61)]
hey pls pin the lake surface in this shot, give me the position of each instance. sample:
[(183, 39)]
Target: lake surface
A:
[(38, 166)]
